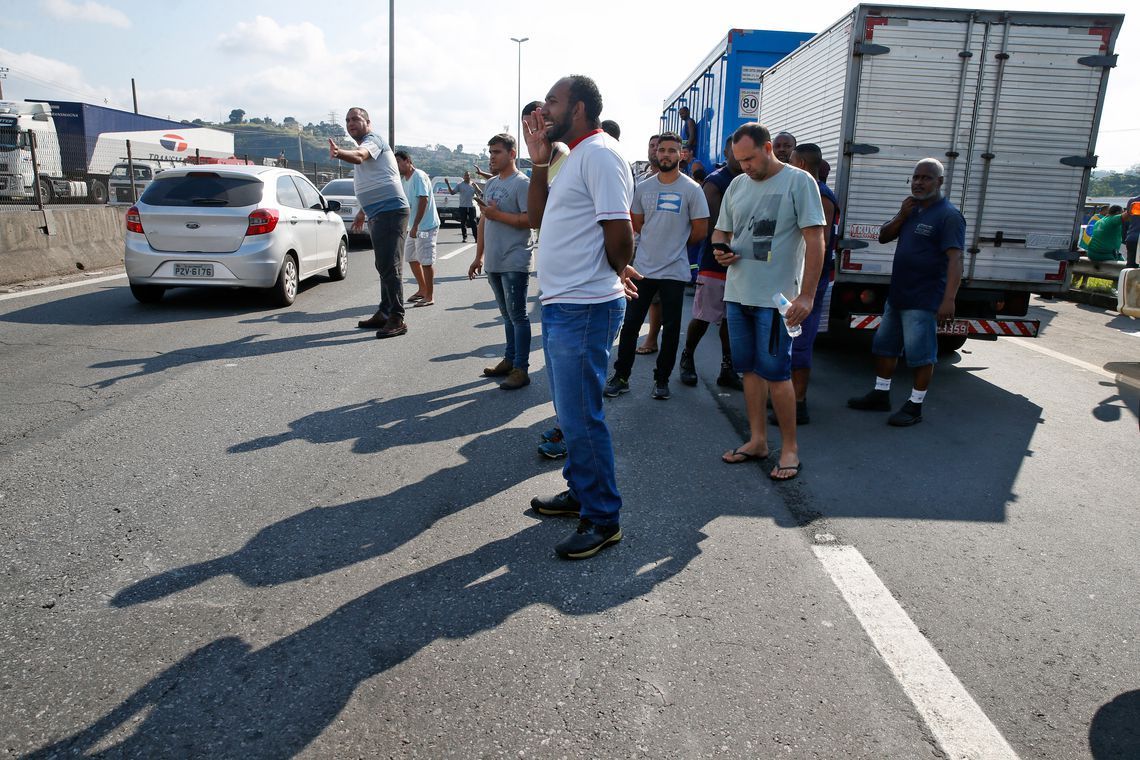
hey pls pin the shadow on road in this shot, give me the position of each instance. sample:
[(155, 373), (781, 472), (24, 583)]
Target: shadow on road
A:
[(1115, 730)]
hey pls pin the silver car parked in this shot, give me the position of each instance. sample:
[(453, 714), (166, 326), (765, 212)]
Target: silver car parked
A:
[(342, 191), (232, 225)]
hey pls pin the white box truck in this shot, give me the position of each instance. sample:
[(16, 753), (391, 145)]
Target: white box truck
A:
[(1009, 102)]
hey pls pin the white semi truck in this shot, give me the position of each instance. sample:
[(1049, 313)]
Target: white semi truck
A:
[(1009, 102), (77, 145)]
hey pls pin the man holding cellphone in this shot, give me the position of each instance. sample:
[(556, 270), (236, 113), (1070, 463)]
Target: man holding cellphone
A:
[(770, 237)]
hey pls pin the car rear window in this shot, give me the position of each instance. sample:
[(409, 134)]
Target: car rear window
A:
[(203, 189), (339, 187)]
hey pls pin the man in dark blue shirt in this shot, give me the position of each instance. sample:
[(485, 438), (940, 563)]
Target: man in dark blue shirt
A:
[(927, 270)]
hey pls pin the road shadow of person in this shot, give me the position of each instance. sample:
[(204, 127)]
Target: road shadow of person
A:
[(321, 539), (245, 347), (1115, 730), (227, 699)]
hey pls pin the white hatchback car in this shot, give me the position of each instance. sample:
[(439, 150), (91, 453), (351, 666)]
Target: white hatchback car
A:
[(226, 226), (343, 192)]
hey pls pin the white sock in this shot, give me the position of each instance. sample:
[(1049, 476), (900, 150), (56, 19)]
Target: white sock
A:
[(882, 383), (916, 396)]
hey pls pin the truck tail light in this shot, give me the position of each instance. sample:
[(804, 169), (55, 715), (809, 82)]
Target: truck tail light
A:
[(134, 220), (262, 221)]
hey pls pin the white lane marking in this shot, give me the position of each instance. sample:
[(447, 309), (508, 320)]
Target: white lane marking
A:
[(457, 251), (65, 286), (959, 726), (1116, 378)]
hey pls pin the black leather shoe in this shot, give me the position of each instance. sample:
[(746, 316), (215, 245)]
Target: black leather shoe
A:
[(688, 369), (909, 414), (588, 540), (393, 327), (559, 504), (875, 401), (379, 319)]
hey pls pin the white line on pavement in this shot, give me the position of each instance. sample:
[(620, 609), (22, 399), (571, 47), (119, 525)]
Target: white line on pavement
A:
[(1116, 378), (457, 251), (65, 286), (959, 726)]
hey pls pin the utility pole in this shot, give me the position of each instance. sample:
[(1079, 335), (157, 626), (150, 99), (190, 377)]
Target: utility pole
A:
[(134, 95), (518, 100), (3, 76), (392, 74)]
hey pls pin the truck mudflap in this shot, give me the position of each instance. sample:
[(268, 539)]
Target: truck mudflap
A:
[(1018, 328)]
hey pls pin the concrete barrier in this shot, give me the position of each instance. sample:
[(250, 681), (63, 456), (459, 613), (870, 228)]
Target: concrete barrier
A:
[(38, 244)]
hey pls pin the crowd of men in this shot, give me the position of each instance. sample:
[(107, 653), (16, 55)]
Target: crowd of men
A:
[(615, 248)]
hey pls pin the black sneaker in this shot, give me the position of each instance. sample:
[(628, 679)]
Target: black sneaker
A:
[(729, 379), (615, 387), (559, 504), (688, 369), (660, 390), (910, 414), (875, 401), (588, 540), (802, 416)]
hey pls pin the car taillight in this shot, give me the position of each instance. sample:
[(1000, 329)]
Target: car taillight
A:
[(134, 220), (262, 221)]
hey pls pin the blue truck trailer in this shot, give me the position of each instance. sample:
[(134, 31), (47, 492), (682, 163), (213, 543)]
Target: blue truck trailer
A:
[(723, 92)]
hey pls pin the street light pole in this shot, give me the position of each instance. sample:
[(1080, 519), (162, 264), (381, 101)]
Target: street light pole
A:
[(518, 101), (392, 74)]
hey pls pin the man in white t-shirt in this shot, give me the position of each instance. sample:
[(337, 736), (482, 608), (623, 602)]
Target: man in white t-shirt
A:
[(770, 237), (587, 240)]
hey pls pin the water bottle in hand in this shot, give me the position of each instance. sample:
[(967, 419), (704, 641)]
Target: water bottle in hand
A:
[(782, 304)]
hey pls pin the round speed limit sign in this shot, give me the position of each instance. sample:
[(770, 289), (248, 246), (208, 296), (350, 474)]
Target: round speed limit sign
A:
[(749, 104)]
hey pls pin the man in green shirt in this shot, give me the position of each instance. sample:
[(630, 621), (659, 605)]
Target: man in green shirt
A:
[(1108, 236)]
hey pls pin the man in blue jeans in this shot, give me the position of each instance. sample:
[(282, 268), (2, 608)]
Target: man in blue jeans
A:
[(587, 240), (924, 283), (502, 248), (376, 181)]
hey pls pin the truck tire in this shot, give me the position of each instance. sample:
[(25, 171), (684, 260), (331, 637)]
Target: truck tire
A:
[(948, 344), (98, 191), (47, 194)]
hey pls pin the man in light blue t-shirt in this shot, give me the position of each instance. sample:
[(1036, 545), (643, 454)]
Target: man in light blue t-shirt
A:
[(770, 237), (419, 249), (382, 204)]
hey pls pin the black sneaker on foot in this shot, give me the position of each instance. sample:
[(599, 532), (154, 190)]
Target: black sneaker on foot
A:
[(688, 369), (910, 414), (660, 389), (559, 504), (729, 379), (615, 387), (875, 401), (588, 540), (802, 416)]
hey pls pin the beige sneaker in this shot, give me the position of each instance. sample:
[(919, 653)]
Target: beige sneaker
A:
[(502, 369), (515, 380)]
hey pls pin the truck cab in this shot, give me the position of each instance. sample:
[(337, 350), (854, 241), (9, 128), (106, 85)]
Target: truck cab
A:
[(18, 178)]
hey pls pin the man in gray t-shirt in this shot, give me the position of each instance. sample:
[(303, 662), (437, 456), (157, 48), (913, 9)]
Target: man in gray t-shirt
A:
[(466, 192), (669, 212), (770, 237), (502, 248)]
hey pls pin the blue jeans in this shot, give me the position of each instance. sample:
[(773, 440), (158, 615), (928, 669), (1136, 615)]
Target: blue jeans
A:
[(510, 295), (576, 339), (910, 331)]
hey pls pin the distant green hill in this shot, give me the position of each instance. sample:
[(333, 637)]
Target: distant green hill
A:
[(260, 141)]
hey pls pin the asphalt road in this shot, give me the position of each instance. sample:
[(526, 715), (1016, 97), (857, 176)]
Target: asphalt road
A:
[(231, 530)]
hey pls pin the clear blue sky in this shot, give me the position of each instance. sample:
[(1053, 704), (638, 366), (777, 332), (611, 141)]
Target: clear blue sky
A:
[(456, 66)]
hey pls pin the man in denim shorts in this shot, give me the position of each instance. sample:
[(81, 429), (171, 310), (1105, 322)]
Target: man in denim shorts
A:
[(770, 238), (927, 270)]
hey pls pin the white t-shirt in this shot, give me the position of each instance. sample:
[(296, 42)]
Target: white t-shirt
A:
[(594, 185)]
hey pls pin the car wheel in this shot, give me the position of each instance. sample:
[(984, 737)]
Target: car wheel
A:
[(340, 271), (285, 291), (147, 293)]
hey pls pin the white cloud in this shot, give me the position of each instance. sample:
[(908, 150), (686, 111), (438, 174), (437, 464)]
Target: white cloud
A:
[(90, 11), (33, 75), (263, 36)]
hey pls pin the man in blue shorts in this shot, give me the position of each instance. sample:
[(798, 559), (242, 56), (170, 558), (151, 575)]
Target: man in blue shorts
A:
[(770, 238), (924, 283)]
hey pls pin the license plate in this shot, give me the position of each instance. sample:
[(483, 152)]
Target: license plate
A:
[(957, 327), (193, 270)]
